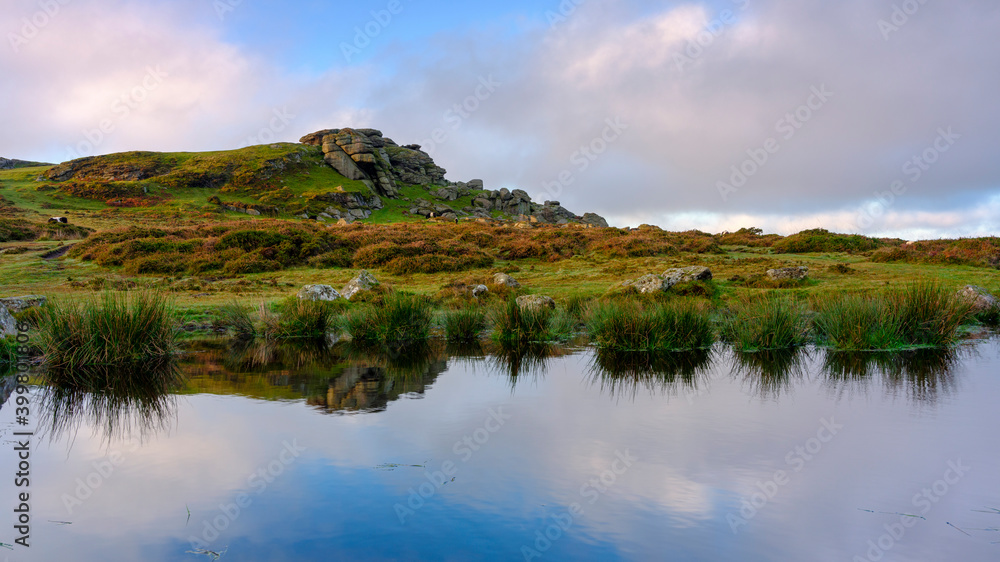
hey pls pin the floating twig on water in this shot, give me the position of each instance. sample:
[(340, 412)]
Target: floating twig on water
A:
[(894, 513), (960, 530)]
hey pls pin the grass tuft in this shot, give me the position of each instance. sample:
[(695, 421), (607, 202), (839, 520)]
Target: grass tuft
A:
[(921, 315), (514, 325), (114, 330), (657, 327), (765, 324), (397, 318), (463, 325)]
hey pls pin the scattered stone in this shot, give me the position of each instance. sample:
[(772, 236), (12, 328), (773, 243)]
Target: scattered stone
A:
[(505, 280), (16, 305), (792, 273), (649, 284), (480, 290), (978, 298), (318, 293), (536, 302), (364, 281), (688, 274)]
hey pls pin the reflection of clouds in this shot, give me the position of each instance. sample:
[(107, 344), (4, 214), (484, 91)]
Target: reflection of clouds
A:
[(694, 458)]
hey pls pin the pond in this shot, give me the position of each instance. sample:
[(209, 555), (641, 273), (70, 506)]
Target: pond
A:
[(272, 453)]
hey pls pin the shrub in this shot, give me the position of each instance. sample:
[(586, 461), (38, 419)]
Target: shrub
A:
[(820, 240), (627, 326), (436, 263), (765, 324)]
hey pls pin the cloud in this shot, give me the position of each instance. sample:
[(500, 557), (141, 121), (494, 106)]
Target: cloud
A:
[(701, 89)]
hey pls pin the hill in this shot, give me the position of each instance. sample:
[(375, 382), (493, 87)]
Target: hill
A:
[(332, 175)]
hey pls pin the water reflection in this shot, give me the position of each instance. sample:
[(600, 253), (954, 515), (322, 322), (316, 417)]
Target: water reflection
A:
[(516, 361), (622, 373), (119, 404), (770, 373), (922, 375), (342, 378)]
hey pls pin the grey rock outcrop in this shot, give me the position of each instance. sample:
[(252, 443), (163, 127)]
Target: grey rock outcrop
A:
[(536, 302), (363, 282), (978, 298), (788, 273), (595, 220), (364, 154), (318, 293)]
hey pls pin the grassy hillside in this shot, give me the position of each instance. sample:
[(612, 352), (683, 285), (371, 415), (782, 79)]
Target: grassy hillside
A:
[(163, 220)]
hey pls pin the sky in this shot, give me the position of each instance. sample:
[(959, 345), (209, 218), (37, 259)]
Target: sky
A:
[(863, 116)]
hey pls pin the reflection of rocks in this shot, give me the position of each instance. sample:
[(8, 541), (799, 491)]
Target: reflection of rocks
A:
[(361, 388), (334, 379)]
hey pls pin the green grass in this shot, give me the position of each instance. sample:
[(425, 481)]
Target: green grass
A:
[(117, 330), (766, 323), (398, 318), (675, 326), (515, 325), (463, 325), (290, 319), (8, 351), (920, 315)]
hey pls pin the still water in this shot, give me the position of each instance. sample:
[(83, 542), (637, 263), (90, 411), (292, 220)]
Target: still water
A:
[(553, 454)]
